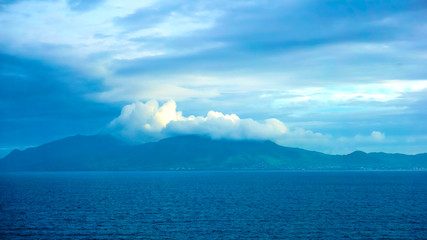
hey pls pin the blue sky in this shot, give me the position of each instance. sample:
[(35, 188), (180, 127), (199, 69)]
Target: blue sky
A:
[(336, 75)]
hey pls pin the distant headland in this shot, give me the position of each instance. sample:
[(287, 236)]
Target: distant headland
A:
[(106, 153)]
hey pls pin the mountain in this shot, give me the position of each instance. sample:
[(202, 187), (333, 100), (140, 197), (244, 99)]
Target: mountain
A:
[(104, 152)]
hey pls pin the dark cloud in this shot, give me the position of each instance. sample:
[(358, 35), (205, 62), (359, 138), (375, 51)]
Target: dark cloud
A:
[(251, 35), (39, 100)]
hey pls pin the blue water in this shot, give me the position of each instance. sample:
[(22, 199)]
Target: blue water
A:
[(213, 205)]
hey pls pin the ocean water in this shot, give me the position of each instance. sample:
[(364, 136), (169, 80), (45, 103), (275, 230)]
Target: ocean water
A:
[(214, 205)]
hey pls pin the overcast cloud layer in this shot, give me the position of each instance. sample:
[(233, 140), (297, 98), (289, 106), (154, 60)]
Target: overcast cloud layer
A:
[(341, 75)]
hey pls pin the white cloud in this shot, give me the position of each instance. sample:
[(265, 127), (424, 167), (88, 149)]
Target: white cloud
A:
[(383, 91), (377, 136), (73, 36), (145, 122), (149, 121), (145, 90), (177, 24), (303, 138), (363, 142)]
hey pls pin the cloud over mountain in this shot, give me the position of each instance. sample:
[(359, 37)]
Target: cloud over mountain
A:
[(342, 75), (149, 121)]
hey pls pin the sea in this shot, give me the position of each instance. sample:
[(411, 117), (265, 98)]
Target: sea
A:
[(214, 205)]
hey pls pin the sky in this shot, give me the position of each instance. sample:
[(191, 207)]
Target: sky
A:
[(330, 76)]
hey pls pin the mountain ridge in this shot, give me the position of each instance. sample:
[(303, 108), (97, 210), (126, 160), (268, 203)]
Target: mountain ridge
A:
[(191, 152)]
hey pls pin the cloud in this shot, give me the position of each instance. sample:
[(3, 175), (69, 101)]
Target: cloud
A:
[(303, 138), (77, 26), (362, 142), (384, 91), (334, 64), (144, 91), (375, 136), (149, 121)]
